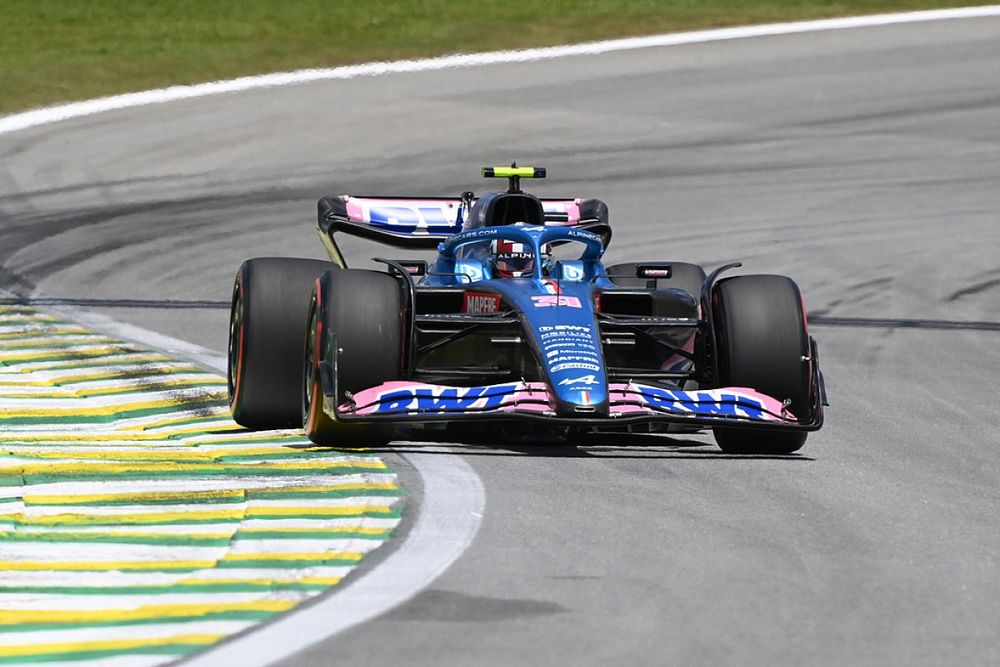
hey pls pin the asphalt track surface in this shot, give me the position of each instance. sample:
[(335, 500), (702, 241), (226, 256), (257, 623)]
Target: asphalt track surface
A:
[(863, 163)]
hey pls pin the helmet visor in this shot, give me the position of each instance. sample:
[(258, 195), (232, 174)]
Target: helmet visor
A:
[(515, 262)]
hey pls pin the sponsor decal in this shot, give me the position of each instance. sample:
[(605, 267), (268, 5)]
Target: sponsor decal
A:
[(575, 365), (589, 358), (572, 272), (583, 344), (408, 218), (565, 327), (703, 403), (443, 399), (472, 269), (565, 335), (480, 303), (553, 300), (582, 380)]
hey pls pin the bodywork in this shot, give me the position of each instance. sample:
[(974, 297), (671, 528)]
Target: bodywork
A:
[(564, 345)]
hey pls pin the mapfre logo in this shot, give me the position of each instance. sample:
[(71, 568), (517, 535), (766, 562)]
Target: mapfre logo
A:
[(480, 303)]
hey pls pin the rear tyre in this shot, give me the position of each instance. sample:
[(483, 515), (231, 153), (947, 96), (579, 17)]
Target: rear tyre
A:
[(267, 323), (364, 311), (685, 276), (761, 343)]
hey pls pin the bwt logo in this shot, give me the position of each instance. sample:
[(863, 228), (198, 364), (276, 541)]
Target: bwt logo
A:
[(443, 399), (411, 218), (704, 403)]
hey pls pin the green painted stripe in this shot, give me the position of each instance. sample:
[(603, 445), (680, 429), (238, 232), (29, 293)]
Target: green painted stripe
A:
[(186, 403), (240, 615), (53, 342), (78, 355), (201, 587), (285, 564), (291, 453), (137, 359), (244, 535), (228, 471), (335, 493), (186, 539), (210, 500), (141, 387), (112, 520), (70, 656)]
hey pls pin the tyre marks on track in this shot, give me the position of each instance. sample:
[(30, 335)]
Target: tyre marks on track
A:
[(138, 522)]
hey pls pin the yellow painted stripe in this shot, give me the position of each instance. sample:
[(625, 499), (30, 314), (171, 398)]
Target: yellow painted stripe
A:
[(164, 370), (351, 528), (159, 496), (102, 351), (359, 486), (132, 565), (138, 388), (36, 650), (321, 555), (70, 519), (168, 467), (110, 410), (30, 650), (36, 330), (177, 453), (139, 497), (102, 565), (40, 340), (277, 581), (129, 357), (299, 511), (142, 383), (160, 611), (163, 429)]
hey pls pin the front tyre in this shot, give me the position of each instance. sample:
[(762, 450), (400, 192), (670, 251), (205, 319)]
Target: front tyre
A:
[(762, 343), (266, 328), (363, 312)]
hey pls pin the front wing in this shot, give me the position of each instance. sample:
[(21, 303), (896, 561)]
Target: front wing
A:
[(632, 402)]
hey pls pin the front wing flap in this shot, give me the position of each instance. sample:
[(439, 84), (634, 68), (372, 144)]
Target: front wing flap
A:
[(631, 402)]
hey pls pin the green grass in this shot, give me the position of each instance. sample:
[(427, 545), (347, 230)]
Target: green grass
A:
[(63, 50)]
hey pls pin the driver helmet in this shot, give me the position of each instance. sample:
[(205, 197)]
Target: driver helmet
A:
[(511, 259)]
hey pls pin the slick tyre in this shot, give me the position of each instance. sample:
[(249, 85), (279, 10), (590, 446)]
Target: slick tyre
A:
[(363, 312), (685, 276), (762, 343), (267, 325)]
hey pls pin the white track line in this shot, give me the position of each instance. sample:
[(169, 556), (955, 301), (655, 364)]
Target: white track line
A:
[(454, 499)]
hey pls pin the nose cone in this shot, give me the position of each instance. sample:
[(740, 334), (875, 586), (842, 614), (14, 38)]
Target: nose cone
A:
[(560, 319), (570, 346)]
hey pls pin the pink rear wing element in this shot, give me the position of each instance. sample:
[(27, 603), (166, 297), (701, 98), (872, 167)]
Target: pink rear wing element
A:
[(437, 216)]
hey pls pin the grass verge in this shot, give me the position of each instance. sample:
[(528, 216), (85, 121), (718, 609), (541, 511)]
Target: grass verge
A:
[(62, 50)]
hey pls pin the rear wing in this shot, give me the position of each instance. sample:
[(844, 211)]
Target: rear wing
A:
[(423, 222)]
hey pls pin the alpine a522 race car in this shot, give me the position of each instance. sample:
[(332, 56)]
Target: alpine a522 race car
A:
[(516, 322)]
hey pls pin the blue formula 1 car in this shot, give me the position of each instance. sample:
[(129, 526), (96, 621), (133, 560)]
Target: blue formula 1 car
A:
[(517, 322)]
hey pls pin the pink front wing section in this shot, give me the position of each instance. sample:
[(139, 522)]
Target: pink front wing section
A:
[(625, 400)]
